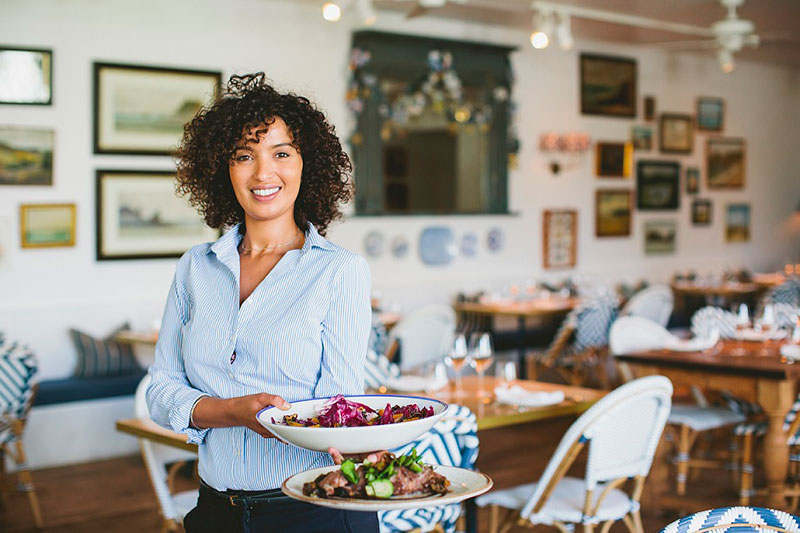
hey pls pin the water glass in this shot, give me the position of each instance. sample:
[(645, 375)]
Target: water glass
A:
[(505, 372)]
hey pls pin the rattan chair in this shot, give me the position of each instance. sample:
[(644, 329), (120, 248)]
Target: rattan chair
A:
[(736, 520), (654, 302), (621, 432)]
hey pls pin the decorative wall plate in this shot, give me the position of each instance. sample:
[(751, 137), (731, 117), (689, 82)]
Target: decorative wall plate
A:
[(399, 246), (495, 240), (437, 246), (469, 244), (374, 243)]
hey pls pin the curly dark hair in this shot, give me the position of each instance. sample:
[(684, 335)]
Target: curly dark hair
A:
[(210, 140)]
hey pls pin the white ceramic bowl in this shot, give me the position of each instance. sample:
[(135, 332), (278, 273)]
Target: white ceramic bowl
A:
[(356, 439)]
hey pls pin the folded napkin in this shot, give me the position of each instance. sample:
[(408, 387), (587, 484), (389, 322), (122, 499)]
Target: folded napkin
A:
[(415, 383), (759, 336), (791, 351), (697, 344), (516, 395)]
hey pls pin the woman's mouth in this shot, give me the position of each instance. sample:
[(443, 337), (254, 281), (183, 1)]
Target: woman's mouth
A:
[(266, 194)]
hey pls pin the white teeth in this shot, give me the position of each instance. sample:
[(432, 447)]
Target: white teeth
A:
[(265, 192)]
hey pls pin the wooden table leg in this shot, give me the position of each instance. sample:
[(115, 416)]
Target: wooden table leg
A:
[(775, 397), (523, 368)]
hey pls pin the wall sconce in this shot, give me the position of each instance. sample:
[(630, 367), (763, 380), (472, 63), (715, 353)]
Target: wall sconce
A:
[(567, 150)]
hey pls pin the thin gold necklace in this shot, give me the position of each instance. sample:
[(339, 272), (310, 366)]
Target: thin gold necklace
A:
[(246, 249)]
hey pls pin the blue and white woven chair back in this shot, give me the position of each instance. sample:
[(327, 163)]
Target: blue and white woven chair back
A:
[(18, 367), (736, 520), (787, 293), (622, 430), (654, 302), (425, 335), (710, 318), (593, 319), (453, 441), (785, 315)]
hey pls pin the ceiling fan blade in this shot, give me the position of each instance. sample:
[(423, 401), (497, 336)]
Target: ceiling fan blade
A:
[(705, 44)]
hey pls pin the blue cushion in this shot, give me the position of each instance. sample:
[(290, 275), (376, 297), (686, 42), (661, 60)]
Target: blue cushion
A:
[(57, 391)]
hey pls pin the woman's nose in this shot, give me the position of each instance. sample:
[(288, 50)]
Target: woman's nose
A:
[(264, 169)]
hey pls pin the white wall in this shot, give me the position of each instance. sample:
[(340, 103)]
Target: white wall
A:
[(45, 291)]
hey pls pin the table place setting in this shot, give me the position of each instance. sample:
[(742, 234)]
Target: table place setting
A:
[(520, 397)]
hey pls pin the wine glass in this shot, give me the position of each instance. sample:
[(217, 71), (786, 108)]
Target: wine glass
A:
[(481, 356), (742, 324), (456, 358)]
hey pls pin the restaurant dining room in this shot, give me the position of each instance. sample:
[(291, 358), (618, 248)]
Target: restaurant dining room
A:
[(525, 265)]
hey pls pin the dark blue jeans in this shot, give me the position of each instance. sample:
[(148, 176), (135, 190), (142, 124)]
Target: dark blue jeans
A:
[(214, 514)]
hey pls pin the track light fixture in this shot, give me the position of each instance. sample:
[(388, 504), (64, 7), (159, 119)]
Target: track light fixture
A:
[(366, 12), (331, 11), (542, 28), (564, 31)]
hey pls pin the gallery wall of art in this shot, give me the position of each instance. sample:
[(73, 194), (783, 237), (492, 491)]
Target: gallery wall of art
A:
[(47, 290)]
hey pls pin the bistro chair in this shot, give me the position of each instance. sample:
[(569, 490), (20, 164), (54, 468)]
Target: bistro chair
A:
[(579, 350), (787, 293), (746, 432), (453, 441), (162, 463), (686, 422), (422, 336), (18, 366), (654, 302), (621, 432), (378, 369), (736, 520)]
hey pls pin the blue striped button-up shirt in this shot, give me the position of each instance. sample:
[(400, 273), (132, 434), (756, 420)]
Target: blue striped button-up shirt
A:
[(302, 333)]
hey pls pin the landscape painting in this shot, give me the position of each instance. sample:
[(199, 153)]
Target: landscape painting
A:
[(142, 110), (613, 212), (47, 225), (659, 236), (139, 215), (737, 223), (658, 185), (726, 163), (26, 156), (608, 86)]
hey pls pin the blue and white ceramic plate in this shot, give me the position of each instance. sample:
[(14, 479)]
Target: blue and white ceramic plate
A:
[(373, 243), (495, 240), (469, 244), (399, 246), (437, 245)]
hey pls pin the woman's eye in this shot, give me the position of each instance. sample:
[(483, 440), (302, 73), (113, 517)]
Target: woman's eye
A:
[(281, 155), (241, 157)]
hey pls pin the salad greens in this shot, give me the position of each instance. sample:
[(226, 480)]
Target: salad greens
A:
[(377, 475)]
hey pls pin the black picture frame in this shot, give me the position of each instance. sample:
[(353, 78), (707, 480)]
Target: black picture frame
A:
[(144, 217), (46, 65), (134, 140), (658, 185), (608, 85), (702, 212)]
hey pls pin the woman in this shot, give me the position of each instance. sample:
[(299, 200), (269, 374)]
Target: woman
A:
[(269, 314)]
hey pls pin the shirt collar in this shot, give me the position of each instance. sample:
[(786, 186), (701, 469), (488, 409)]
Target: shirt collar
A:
[(228, 243)]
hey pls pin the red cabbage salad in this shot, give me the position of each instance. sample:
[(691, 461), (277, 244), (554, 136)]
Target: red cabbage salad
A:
[(340, 412)]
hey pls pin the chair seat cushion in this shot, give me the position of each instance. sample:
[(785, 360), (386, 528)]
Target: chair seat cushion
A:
[(565, 503), (703, 418), (56, 391)]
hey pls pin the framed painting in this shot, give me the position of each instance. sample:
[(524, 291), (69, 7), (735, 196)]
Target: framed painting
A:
[(608, 86), (701, 212), (613, 209), (139, 216), (26, 76), (676, 133), (614, 160), (692, 180), (642, 138), (649, 108), (737, 223), (47, 225), (142, 110), (659, 237), (26, 156), (560, 238), (710, 113), (725, 163), (657, 185)]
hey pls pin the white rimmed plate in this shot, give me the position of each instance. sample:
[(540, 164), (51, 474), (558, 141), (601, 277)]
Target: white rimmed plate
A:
[(464, 484), (357, 439), (760, 336)]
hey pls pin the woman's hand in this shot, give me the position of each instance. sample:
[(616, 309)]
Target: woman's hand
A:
[(372, 457), (240, 411)]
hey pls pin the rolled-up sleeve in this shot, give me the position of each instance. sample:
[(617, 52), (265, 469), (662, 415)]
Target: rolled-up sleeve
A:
[(170, 396), (345, 331)]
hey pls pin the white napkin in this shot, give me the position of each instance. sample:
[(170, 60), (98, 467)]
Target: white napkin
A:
[(516, 395), (415, 383), (759, 336), (791, 351), (697, 344)]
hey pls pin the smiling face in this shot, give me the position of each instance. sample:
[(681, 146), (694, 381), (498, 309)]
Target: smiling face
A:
[(265, 172)]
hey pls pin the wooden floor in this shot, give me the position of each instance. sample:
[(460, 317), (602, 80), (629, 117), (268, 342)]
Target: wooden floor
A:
[(115, 496)]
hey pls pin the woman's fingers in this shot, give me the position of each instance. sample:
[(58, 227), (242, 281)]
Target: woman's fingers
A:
[(372, 457), (274, 399), (336, 455)]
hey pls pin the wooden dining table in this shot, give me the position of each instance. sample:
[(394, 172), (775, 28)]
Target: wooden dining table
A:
[(493, 419), (760, 374), (521, 310)]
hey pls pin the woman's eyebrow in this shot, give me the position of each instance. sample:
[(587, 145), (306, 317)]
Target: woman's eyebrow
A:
[(282, 144)]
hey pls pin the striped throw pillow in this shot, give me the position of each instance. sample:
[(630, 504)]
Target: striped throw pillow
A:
[(103, 357)]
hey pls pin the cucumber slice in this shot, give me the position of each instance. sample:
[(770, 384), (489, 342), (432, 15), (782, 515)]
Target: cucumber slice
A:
[(380, 488)]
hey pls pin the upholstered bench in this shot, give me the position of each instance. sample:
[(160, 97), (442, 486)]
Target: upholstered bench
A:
[(72, 389)]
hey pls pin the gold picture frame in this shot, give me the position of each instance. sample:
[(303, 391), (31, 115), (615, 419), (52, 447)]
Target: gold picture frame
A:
[(560, 238), (47, 225)]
